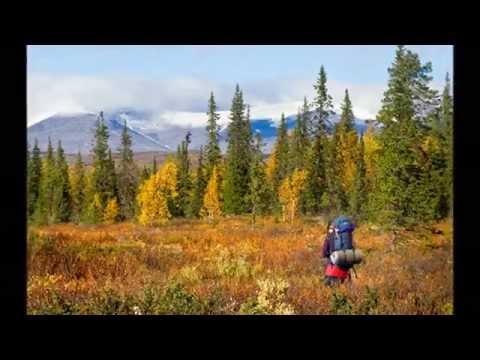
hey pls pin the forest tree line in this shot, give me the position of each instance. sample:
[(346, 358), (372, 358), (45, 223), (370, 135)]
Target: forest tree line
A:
[(399, 172)]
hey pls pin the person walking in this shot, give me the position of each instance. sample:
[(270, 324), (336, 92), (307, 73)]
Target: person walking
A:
[(334, 274)]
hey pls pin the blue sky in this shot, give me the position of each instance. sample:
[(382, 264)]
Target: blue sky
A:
[(176, 80)]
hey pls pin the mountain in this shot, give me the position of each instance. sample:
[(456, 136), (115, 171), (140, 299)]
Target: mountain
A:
[(76, 131)]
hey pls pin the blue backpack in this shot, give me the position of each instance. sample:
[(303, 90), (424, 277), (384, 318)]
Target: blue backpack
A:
[(344, 234)]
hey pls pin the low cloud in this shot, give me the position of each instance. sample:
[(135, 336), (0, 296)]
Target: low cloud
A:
[(183, 101)]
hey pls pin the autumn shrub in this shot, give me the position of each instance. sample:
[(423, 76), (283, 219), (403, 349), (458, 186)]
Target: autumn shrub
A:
[(270, 299), (188, 266), (370, 303), (340, 304), (177, 300), (230, 265)]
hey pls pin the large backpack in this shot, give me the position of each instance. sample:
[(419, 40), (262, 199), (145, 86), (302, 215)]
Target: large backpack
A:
[(343, 233), (343, 252)]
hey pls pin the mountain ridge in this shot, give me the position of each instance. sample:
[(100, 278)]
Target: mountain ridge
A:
[(76, 131)]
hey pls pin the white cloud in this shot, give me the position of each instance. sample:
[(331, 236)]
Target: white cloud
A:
[(183, 101)]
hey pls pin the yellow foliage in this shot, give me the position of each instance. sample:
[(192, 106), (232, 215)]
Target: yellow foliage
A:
[(154, 194), (430, 145), (346, 155), (289, 192), (95, 209), (76, 188), (270, 166), (372, 148), (211, 203), (111, 212)]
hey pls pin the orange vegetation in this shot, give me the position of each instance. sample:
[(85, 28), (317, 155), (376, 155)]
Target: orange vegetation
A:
[(191, 267)]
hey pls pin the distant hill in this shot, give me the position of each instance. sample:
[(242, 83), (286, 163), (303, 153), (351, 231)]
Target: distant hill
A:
[(76, 131)]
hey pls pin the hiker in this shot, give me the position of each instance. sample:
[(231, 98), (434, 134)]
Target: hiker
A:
[(339, 242), (333, 274)]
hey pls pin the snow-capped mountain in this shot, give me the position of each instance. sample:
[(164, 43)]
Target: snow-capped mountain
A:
[(76, 131)]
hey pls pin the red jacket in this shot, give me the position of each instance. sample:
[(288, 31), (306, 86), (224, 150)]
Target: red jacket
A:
[(331, 269), (335, 271)]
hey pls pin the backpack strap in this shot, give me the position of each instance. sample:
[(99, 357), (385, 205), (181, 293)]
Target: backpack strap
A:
[(331, 244)]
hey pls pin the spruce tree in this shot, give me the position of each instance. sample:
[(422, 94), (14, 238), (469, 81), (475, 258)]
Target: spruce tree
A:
[(212, 149), (184, 183), (64, 204), (34, 178), (78, 185), (145, 174), (29, 176), (102, 177), (112, 185), (260, 194), (127, 177), (46, 211), (322, 105), (343, 156), (281, 154), (300, 141), (316, 183), (402, 187), (154, 165), (199, 186), (446, 113), (238, 157)]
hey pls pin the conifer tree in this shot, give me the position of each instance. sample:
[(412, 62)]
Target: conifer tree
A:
[(34, 178), (64, 204), (102, 165), (145, 174), (281, 154), (94, 211), (322, 105), (260, 193), (238, 158), (446, 113), (127, 176), (400, 190), (372, 151), (112, 185), (317, 162), (199, 186), (212, 149), (77, 188), (154, 165), (300, 141), (184, 182), (46, 208), (29, 176), (344, 154)]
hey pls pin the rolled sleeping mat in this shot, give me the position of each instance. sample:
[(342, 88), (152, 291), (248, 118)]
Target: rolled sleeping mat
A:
[(346, 257)]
